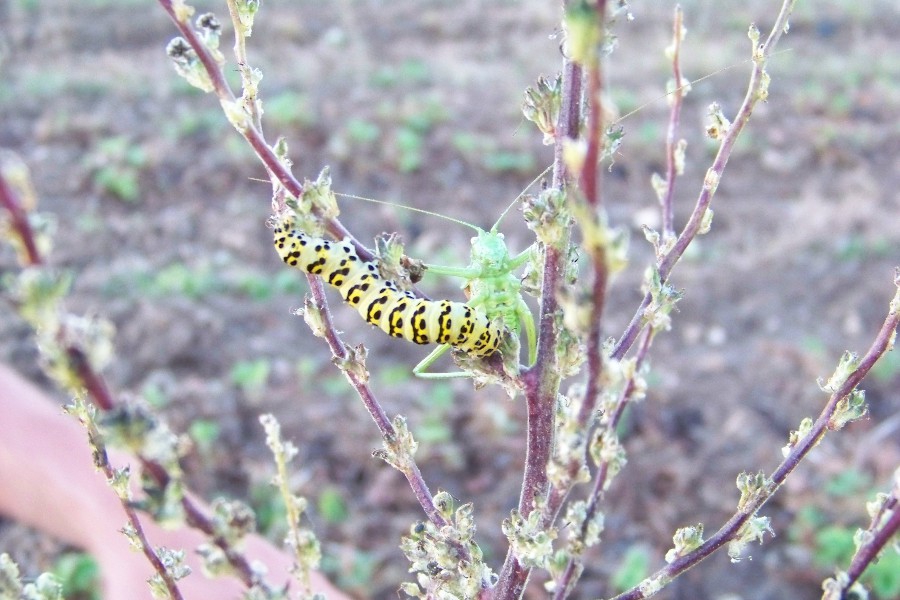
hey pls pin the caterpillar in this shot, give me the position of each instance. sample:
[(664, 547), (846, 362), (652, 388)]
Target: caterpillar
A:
[(380, 302)]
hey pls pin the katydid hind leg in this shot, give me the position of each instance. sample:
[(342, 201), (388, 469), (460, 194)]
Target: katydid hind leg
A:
[(527, 320), (420, 370)]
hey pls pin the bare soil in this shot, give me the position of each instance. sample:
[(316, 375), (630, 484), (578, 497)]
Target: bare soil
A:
[(797, 267)]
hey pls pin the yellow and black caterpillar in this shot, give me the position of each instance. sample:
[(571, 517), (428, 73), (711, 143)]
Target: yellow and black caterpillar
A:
[(378, 300)]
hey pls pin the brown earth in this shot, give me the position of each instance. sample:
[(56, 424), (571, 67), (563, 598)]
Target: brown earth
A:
[(418, 103)]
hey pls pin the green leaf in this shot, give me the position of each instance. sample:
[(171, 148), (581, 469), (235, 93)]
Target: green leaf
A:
[(250, 375), (634, 568), (79, 575), (332, 506), (204, 433), (834, 545)]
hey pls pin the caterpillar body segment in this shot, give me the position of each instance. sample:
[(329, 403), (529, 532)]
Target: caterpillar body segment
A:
[(380, 302)]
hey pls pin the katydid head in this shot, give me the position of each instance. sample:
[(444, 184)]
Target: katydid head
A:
[(489, 249)]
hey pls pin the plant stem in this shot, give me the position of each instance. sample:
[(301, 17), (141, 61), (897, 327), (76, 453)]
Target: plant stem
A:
[(277, 170), (732, 528), (18, 221), (376, 411), (714, 175), (541, 381), (881, 533), (668, 201)]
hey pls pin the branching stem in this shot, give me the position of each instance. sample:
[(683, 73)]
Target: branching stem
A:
[(376, 411), (254, 136), (668, 201), (731, 529), (541, 381), (279, 172), (880, 534), (755, 92)]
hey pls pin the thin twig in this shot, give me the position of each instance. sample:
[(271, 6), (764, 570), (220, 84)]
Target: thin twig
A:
[(676, 98), (376, 411), (601, 475), (714, 175), (266, 154), (240, 54), (879, 534), (732, 528), (18, 221), (101, 461), (590, 187)]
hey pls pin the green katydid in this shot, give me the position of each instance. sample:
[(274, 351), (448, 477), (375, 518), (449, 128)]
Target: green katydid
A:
[(491, 284)]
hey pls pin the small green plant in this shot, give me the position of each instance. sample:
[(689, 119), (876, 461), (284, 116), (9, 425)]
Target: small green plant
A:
[(332, 506), (79, 576), (182, 280), (205, 434), (888, 368), (268, 506), (409, 144), (836, 543), (251, 375), (360, 131), (353, 571), (290, 109), (484, 150), (633, 569), (510, 162), (408, 73), (117, 164)]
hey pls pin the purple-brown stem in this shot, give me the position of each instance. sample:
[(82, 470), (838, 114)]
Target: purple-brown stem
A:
[(590, 174), (541, 381), (751, 98), (101, 461), (731, 529), (18, 221), (93, 382), (601, 475), (254, 136), (881, 534), (668, 201), (199, 520), (339, 350), (216, 76), (590, 187), (96, 388)]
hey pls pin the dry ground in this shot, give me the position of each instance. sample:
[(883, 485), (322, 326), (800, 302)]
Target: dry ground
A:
[(418, 103)]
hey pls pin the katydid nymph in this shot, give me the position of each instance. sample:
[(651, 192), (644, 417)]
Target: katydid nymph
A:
[(493, 288)]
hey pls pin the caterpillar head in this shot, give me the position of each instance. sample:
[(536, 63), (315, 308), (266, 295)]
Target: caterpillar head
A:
[(281, 223)]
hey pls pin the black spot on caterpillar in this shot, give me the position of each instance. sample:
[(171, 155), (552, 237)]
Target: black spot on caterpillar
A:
[(378, 300)]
